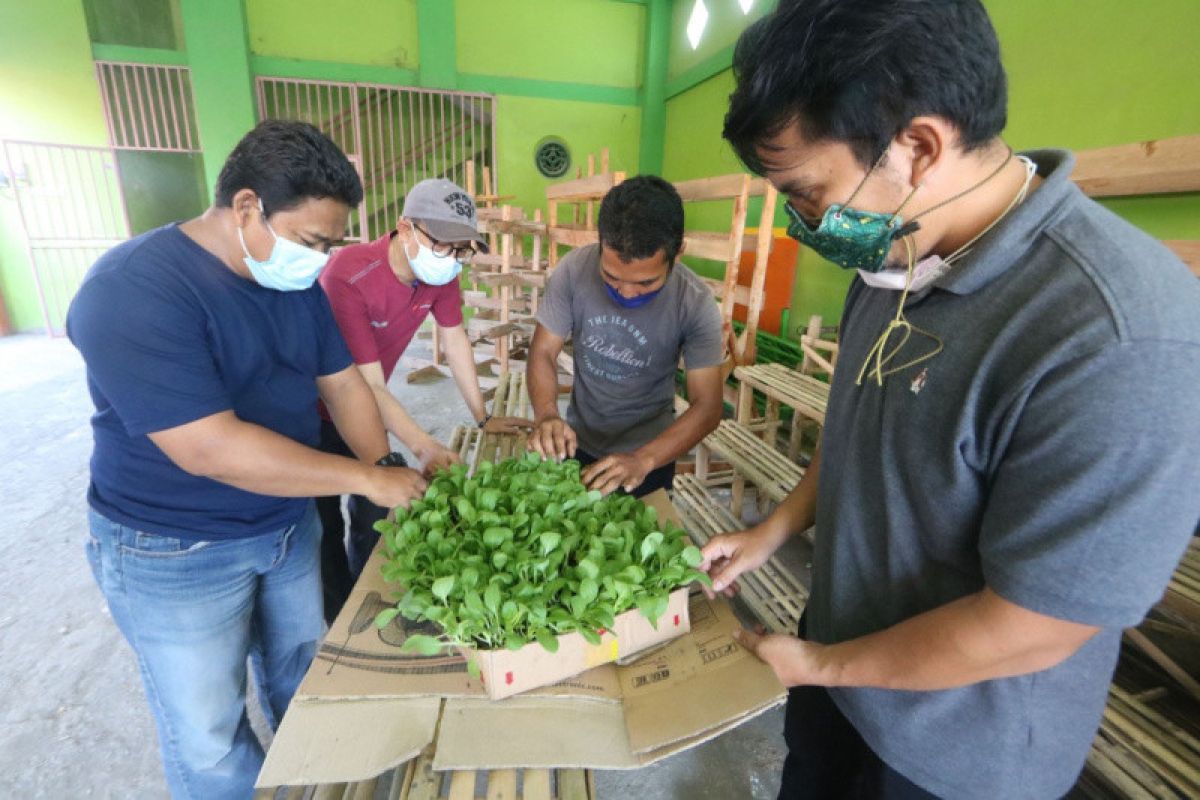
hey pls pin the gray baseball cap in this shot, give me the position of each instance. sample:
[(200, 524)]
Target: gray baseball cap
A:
[(445, 211)]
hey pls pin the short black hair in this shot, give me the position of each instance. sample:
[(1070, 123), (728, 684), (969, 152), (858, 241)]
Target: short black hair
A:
[(286, 162), (858, 71), (641, 216)]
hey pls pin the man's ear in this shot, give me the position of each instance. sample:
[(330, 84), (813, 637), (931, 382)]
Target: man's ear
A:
[(245, 206), (927, 140)]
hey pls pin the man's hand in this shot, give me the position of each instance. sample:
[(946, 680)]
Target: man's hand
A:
[(553, 438), (795, 661), (617, 471), (395, 486), (729, 555), (434, 456), (508, 425)]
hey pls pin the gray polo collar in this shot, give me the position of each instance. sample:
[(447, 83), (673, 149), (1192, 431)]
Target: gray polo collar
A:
[(1011, 239)]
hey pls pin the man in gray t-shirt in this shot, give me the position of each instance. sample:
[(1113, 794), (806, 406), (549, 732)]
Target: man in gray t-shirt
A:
[(1006, 474), (631, 312)]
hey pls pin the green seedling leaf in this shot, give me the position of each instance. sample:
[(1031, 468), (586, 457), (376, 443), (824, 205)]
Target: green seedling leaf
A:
[(442, 587), (385, 617), (423, 645), (650, 545), (547, 640)]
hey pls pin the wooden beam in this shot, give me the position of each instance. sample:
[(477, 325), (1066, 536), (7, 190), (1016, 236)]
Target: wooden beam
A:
[(1158, 166), (582, 190), (722, 187), (1188, 252), (573, 236)]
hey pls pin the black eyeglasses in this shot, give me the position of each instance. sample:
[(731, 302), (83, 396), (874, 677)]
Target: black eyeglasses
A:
[(461, 253)]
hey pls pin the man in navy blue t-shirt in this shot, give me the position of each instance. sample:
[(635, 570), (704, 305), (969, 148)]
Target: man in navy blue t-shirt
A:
[(207, 346)]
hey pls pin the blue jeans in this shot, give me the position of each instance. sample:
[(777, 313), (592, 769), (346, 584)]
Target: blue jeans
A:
[(193, 612)]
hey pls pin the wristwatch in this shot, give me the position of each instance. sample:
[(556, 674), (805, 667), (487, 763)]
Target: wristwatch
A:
[(483, 422), (392, 459)]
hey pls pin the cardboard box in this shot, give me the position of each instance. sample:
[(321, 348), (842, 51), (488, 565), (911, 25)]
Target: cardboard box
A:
[(508, 672), (364, 707)]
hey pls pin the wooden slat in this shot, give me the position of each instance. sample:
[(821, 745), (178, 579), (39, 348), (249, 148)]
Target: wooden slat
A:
[(496, 260), (399, 776), (582, 190), (573, 236), (721, 187), (536, 784), (716, 245), (1153, 167), (1188, 252), (502, 784), (421, 782), (710, 245), (363, 790), (462, 784), (741, 294), (772, 594), (329, 791), (573, 785), (516, 227), (755, 460), (803, 393)]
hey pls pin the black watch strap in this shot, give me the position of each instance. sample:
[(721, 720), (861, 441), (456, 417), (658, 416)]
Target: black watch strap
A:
[(486, 419), (392, 459)]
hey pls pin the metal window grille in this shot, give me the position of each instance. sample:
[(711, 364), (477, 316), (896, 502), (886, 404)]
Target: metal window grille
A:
[(396, 136), (148, 107)]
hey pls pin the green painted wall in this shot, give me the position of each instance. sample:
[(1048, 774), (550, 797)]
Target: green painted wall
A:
[(575, 41), (1117, 77), (378, 32), (48, 92), (521, 122)]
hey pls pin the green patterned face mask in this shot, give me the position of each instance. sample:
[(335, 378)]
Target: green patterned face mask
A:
[(850, 238)]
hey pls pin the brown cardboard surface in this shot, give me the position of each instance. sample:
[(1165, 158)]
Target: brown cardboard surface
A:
[(364, 707), (336, 742)]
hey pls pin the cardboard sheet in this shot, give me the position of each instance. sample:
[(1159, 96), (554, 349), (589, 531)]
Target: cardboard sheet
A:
[(364, 707)]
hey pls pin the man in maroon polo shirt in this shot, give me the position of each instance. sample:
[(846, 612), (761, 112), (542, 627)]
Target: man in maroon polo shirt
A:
[(381, 292)]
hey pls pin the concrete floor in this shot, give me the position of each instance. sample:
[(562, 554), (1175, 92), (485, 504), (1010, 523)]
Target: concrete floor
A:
[(73, 718)]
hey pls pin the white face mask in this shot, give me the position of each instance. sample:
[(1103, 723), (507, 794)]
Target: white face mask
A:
[(290, 267), (925, 273), (432, 269)]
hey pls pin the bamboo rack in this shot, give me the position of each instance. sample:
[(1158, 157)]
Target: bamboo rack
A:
[(770, 592)]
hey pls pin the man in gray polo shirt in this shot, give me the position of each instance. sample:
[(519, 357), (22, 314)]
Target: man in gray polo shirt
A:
[(632, 312), (1006, 476)]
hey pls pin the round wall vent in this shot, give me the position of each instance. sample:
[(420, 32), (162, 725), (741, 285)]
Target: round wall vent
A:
[(552, 157)]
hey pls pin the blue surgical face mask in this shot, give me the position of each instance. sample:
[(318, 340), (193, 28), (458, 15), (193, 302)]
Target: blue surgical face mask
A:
[(631, 302), (290, 267), (432, 269)]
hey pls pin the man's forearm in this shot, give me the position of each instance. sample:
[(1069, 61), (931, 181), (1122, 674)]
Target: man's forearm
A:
[(397, 420), (542, 383), (356, 416), (976, 638), (681, 436), (462, 367), (259, 460)]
